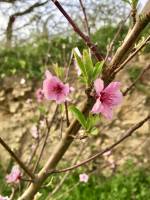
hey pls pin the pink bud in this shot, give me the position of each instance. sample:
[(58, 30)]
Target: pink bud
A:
[(14, 176)]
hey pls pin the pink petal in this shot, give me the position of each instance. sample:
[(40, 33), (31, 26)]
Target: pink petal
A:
[(116, 98), (48, 74), (112, 87), (98, 85), (60, 98), (106, 111), (97, 107), (48, 86), (66, 89)]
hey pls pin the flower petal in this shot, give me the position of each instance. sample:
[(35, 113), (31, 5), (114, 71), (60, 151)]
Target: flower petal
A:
[(48, 86), (112, 87), (66, 89), (48, 74), (97, 107), (116, 98), (98, 85), (106, 111)]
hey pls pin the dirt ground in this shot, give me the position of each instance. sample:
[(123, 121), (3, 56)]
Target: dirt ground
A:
[(19, 114)]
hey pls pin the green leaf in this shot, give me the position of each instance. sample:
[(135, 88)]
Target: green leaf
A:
[(78, 59), (79, 115), (97, 69), (88, 64), (127, 1), (92, 121), (94, 131)]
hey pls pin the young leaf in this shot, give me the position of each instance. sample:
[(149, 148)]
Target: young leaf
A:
[(94, 131), (79, 115), (88, 64), (78, 59), (97, 69)]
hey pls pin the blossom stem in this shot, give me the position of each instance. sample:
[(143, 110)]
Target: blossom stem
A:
[(67, 115), (21, 164)]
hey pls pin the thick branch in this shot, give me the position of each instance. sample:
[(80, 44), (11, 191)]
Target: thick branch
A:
[(126, 46), (146, 41), (58, 153)]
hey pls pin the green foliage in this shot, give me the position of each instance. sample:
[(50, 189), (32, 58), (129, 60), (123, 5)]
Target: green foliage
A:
[(4, 189), (31, 58), (133, 3), (97, 70), (89, 71), (127, 184), (87, 123), (78, 115), (105, 34)]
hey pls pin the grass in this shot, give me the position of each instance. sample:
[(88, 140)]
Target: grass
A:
[(129, 183)]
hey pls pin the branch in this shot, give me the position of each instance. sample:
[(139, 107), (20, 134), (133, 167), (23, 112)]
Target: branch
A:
[(8, 1), (120, 26), (128, 134), (12, 19), (14, 156), (85, 38), (129, 41), (132, 55), (49, 125), (85, 17)]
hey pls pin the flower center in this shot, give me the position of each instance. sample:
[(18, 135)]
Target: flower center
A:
[(106, 98), (58, 88)]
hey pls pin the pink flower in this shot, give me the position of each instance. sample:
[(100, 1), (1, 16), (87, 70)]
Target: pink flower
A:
[(84, 178), (14, 176), (106, 98), (4, 198), (39, 95), (54, 89)]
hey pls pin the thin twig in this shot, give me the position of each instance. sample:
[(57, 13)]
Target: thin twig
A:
[(57, 188), (67, 115), (128, 134), (13, 155), (85, 38), (120, 26), (136, 80), (85, 18), (132, 55), (49, 125)]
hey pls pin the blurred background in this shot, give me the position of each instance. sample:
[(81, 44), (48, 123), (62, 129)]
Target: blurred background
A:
[(34, 36)]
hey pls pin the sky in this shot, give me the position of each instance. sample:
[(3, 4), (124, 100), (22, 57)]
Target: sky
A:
[(4, 18), (142, 4)]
